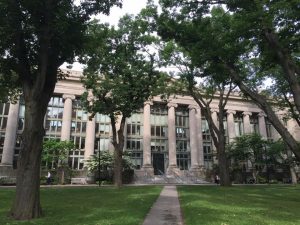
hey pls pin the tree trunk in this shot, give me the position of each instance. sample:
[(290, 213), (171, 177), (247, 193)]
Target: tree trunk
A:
[(118, 168), (293, 174), (118, 143), (27, 201), (223, 164)]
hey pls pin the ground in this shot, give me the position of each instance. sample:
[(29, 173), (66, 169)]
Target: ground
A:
[(240, 205), (201, 205), (87, 205)]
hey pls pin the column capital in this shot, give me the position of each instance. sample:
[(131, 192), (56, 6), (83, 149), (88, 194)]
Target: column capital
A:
[(148, 103), (191, 107), (262, 114), (214, 110), (66, 96), (172, 104), (230, 111), (247, 113)]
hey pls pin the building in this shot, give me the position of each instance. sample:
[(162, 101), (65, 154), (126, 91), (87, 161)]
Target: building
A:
[(163, 137)]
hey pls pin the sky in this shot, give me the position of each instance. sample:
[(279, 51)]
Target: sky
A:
[(129, 6)]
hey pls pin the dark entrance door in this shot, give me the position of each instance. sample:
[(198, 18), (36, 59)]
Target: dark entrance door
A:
[(158, 163)]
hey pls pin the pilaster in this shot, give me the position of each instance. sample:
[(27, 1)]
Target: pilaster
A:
[(172, 138), (10, 135), (262, 125), (246, 120), (230, 124), (67, 117), (147, 138)]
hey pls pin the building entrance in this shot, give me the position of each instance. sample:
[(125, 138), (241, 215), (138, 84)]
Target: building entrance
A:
[(158, 163)]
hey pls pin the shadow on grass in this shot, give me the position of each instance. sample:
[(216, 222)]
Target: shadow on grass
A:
[(262, 205), (88, 206)]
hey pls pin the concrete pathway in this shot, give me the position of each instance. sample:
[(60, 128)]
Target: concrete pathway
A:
[(166, 209)]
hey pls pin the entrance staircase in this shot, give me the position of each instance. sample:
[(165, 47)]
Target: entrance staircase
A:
[(185, 177)]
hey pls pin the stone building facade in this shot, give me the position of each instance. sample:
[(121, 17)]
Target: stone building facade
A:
[(163, 137)]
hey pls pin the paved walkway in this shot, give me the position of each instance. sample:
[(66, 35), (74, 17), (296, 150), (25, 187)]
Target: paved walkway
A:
[(166, 209)]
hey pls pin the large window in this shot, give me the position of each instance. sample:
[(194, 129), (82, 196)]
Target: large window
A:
[(182, 138), (78, 133), (183, 160), (254, 123), (134, 142), (238, 124), (159, 128), (53, 118), (207, 144), (159, 131)]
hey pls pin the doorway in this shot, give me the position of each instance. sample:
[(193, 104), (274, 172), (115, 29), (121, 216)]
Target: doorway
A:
[(158, 163)]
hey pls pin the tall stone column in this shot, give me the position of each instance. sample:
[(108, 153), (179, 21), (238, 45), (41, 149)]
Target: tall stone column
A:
[(193, 137), (89, 139), (230, 125), (147, 138), (262, 125), (10, 135), (200, 137), (246, 120), (67, 117), (214, 115), (172, 138)]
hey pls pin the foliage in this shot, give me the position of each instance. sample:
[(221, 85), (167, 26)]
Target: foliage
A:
[(56, 152), (120, 74), (248, 147), (248, 41), (107, 162)]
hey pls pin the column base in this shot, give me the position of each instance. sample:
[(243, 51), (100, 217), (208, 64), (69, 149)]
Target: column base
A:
[(7, 170), (173, 170), (148, 170), (197, 171)]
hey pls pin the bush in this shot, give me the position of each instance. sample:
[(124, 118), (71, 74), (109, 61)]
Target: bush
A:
[(7, 181), (261, 180), (107, 165)]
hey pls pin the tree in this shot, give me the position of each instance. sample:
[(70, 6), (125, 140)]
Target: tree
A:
[(250, 147), (120, 75), (54, 155), (106, 163), (244, 41), (203, 93), (36, 38), (285, 158)]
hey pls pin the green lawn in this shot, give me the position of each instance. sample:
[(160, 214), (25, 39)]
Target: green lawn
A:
[(251, 205), (87, 205)]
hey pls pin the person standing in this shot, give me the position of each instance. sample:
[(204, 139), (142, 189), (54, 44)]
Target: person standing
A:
[(49, 178), (217, 179)]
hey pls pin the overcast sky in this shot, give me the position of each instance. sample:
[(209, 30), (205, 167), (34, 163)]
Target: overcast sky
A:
[(129, 6)]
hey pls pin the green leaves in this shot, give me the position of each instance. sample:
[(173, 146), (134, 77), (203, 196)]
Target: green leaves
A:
[(106, 160), (120, 73), (56, 151)]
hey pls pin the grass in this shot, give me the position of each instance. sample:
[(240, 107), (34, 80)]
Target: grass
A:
[(240, 205), (87, 205)]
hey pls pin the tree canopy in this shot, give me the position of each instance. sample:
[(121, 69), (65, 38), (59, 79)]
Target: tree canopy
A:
[(246, 40)]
